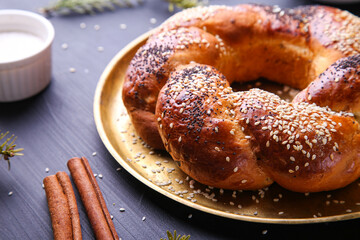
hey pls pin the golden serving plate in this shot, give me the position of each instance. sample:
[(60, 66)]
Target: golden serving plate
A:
[(157, 170)]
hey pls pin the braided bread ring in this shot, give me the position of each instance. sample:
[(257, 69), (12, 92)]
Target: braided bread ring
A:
[(301, 146)]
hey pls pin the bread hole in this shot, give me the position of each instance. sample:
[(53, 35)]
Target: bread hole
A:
[(285, 92)]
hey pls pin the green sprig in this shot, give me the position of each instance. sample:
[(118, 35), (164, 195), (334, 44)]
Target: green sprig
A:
[(65, 7), (183, 4), (175, 236), (7, 148)]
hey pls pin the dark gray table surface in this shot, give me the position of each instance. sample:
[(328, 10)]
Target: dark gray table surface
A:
[(58, 124)]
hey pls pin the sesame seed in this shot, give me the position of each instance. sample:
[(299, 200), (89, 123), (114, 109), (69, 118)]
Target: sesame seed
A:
[(236, 169), (227, 159), (47, 170), (153, 20), (243, 181), (10, 193), (64, 46), (179, 140), (122, 209)]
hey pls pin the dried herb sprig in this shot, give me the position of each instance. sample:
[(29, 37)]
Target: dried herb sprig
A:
[(175, 236), (184, 4), (7, 148), (65, 7)]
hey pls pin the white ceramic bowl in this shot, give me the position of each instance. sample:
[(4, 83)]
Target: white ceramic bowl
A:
[(26, 73)]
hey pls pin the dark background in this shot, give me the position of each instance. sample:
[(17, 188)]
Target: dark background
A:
[(58, 124)]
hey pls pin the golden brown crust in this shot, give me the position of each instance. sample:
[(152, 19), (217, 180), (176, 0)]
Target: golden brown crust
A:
[(245, 42), (246, 140), (338, 87)]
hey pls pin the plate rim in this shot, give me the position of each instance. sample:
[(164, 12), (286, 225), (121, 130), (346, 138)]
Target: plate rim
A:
[(104, 138)]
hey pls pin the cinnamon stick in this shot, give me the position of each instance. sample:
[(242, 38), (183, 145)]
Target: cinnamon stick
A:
[(62, 207), (92, 199)]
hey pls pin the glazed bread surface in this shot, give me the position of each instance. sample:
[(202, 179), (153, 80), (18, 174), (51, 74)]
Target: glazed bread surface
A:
[(305, 148)]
